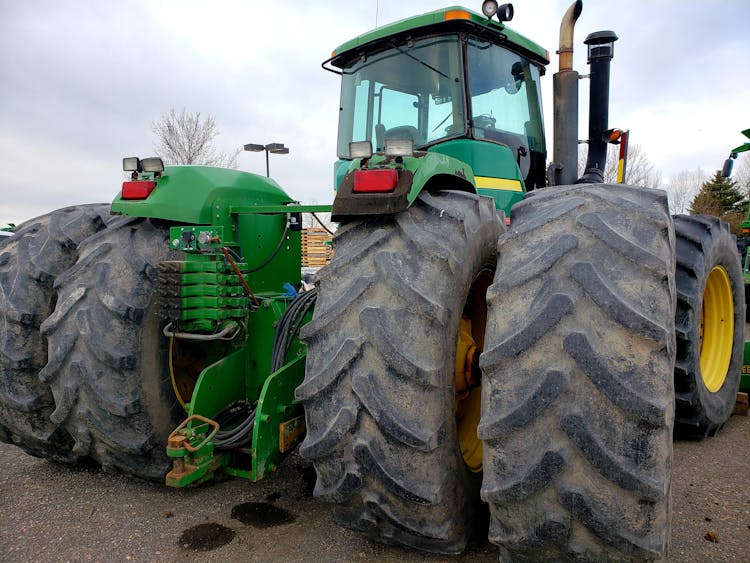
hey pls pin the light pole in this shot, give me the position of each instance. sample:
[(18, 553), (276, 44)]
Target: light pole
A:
[(275, 148)]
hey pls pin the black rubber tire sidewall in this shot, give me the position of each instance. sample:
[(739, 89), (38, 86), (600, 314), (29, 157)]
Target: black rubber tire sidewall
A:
[(704, 242), (108, 361), (388, 313), (577, 397), (40, 250)]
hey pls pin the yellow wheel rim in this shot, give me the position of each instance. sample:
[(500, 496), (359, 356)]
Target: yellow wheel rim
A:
[(468, 383), (717, 329)]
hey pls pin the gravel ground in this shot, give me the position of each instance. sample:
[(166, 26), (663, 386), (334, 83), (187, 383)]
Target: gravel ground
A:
[(54, 513)]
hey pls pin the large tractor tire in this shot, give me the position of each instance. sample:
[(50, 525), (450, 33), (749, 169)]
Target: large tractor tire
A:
[(390, 403), (107, 354), (30, 260), (710, 325), (577, 390)]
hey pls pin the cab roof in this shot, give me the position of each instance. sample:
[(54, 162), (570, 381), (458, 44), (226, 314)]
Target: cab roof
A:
[(454, 18)]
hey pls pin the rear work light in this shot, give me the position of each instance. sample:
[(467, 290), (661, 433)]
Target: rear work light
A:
[(131, 164), (152, 164), (137, 189), (379, 180), (360, 149)]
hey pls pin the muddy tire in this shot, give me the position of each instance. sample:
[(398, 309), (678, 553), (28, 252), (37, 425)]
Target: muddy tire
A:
[(381, 361), (30, 260), (710, 325), (577, 390), (107, 355)]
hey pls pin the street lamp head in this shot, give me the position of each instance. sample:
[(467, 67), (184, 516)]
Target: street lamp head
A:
[(270, 148), (277, 148), (254, 148)]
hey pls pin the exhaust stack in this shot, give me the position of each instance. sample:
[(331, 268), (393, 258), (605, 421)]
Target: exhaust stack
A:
[(564, 169), (601, 50)]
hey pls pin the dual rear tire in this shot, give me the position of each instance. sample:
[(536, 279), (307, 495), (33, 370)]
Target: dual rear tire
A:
[(379, 389), (576, 387), (82, 359)]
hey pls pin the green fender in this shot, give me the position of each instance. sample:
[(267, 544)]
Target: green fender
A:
[(463, 164)]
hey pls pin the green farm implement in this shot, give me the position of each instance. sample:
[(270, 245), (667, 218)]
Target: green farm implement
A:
[(490, 330), (726, 172)]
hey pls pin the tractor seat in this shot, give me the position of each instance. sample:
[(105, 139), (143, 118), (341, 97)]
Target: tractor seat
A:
[(404, 133)]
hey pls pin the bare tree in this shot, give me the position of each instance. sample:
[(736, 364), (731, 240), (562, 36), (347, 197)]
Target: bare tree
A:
[(741, 173), (640, 170), (183, 138), (682, 188)]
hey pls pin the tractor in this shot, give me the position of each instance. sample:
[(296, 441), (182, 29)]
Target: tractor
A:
[(742, 243), (726, 172), (492, 334)]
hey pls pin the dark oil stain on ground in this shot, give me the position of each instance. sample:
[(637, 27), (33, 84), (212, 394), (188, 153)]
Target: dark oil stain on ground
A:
[(206, 537), (262, 514)]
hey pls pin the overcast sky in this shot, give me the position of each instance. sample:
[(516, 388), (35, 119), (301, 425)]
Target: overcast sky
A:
[(82, 81)]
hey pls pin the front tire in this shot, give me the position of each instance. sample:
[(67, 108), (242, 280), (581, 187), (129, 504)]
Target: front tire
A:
[(710, 325), (577, 393), (379, 389), (107, 356)]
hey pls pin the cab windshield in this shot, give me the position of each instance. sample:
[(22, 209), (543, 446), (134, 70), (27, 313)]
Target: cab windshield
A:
[(410, 91), (417, 90), (505, 105)]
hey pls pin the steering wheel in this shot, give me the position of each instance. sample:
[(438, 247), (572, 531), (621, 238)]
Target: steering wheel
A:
[(484, 121)]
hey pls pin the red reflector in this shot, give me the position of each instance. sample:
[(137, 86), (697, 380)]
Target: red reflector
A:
[(140, 189), (379, 180)]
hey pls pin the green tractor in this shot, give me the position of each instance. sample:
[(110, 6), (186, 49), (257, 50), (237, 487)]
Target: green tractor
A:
[(726, 172), (491, 332)]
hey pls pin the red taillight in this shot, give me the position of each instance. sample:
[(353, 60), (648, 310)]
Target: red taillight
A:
[(139, 189), (379, 180)]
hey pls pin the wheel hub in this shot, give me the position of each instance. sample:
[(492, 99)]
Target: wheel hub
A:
[(468, 378), (716, 329)]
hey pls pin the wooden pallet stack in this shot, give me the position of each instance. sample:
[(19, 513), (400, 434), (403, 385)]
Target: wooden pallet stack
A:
[(317, 249)]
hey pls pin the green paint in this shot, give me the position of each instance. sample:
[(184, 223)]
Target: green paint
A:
[(276, 405), (202, 195), (220, 384), (436, 20), (454, 165), (487, 160), (340, 168)]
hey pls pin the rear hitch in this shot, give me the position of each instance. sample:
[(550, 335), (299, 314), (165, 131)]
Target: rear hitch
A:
[(191, 448)]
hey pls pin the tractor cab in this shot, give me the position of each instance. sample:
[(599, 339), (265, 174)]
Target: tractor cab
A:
[(450, 82)]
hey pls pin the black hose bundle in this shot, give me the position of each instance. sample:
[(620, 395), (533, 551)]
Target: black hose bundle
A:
[(289, 325), (240, 415)]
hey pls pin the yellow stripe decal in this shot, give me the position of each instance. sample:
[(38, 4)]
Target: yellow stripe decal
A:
[(487, 183)]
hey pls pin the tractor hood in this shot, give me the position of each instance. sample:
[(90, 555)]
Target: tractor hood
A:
[(197, 194)]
